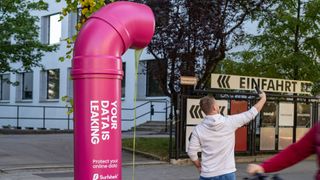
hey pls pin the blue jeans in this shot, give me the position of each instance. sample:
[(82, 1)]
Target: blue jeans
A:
[(229, 176)]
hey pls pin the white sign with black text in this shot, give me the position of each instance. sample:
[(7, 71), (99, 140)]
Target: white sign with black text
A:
[(223, 81)]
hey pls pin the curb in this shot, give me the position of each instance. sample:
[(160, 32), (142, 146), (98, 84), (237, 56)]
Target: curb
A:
[(68, 168), (36, 168), (238, 159), (144, 163), (29, 131), (180, 162)]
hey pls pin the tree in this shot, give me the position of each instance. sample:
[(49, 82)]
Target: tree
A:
[(288, 45), (248, 66), (192, 37), (86, 7), (19, 41)]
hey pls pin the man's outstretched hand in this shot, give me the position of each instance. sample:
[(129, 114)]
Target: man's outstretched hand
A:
[(254, 169)]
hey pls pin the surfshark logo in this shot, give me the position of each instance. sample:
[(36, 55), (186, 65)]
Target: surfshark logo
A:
[(95, 177)]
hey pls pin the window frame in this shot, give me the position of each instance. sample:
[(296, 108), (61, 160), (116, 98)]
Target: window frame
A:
[(23, 84), (47, 88), (46, 25), (2, 87), (148, 80)]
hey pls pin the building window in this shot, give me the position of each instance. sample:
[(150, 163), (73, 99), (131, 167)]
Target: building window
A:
[(153, 87), (4, 86), (54, 29), (53, 84), (123, 82), (27, 85), (51, 29), (50, 84)]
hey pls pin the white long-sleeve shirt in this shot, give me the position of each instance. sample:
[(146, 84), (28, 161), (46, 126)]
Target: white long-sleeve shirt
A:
[(214, 137)]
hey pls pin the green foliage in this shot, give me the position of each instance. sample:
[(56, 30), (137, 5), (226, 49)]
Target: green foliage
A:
[(288, 45), (192, 37), (87, 7), (154, 146), (69, 103), (19, 35)]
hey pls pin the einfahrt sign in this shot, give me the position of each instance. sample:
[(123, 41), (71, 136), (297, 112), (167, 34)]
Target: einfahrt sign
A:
[(223, 81)]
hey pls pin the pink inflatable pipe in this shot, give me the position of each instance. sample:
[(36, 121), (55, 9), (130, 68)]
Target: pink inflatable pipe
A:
[(97, 73)]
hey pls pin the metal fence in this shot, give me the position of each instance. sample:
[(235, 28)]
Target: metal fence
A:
[(57, 117), (177, 146), (148, 111), (41, 117)]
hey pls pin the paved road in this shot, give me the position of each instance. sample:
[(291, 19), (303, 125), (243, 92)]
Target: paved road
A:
[(19, 153), (26, 150), (41, 150), (302, 171)]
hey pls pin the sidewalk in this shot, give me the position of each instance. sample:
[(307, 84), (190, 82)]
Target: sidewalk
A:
[(304, 170), (50, 157)]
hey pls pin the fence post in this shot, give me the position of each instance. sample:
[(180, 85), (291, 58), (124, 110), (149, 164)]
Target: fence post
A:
[(170, 135), (166, 129), (68, 118), (17, 117), (44, 117), (151, 110)]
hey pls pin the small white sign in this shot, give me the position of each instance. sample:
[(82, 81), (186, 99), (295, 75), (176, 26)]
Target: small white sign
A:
[(286, 114), (188, 80)]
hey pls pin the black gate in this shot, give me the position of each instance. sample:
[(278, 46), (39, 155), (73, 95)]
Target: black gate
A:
[(271, 131)]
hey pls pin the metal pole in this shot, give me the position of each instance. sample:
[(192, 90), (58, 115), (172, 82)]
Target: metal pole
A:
[(166, 128), (253, 135), (68, 118), (44, 117), (170, 139), (315, 114), (178, 128), (151, 110), (17, 117), (295, 120)]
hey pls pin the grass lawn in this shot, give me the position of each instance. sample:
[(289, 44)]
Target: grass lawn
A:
[(155, 146)]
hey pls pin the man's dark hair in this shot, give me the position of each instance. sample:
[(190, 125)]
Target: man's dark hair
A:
[(206, 104)]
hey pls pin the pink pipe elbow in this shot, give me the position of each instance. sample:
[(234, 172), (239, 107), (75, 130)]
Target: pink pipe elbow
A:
[(115, 28), (97, 73)]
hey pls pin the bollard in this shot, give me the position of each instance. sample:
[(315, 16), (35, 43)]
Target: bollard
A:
[(97, 73)]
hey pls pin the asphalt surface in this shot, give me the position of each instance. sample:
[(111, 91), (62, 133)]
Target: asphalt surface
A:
[(50, 157)]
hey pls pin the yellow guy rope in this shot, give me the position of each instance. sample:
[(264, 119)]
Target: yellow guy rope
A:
[(137, 55)]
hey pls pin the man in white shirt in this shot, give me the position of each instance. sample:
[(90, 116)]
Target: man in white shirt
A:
[(214, 137)]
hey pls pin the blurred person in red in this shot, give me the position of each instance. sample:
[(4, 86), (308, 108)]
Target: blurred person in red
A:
[(309, 144)]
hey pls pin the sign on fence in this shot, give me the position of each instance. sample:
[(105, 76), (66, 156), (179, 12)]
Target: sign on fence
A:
[(223, 81)]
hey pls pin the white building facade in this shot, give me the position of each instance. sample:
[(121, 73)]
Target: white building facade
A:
[(37, 100)]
